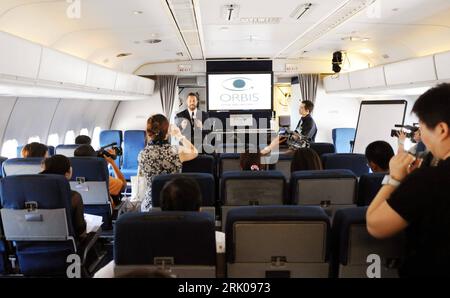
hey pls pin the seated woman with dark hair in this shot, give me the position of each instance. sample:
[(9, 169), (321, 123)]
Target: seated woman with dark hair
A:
[(34, 150), (60, 165), (159, 156), (305, 159), (251, 161)]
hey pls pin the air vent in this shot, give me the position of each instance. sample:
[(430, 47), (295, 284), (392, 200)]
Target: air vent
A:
[(300, 10), (261, 20), (121, 55), (152, 41)]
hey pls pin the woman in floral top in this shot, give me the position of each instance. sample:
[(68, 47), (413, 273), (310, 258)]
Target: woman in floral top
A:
[(159, 156)]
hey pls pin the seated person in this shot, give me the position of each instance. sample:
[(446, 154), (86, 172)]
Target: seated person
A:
[(34, 150), (116, 185), (305, 159), (82, 140), (179, 194), (251, 161), (378, 155), (60, 165)]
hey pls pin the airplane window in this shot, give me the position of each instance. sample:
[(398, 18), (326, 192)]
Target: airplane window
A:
[(34, 139), (9, 149), (84, 132), (53, 140), (96, 138), (70, 137)]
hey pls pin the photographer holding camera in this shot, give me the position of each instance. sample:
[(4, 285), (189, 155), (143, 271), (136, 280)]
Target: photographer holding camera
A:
[(417, 200), (118, 183)]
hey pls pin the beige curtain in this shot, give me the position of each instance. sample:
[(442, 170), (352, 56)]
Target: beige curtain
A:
[(308, 86), (167, 86)]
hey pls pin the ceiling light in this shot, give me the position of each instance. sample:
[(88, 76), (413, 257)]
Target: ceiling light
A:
[(230, 12), (366, 51), (300, 10), (261, 20), (137, 12), (355, 38), (224, 28)]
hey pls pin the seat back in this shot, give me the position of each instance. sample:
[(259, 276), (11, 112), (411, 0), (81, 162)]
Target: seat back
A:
[(51, 150), (133, 143), (205, 181), (66, 150), (180, 242), (277, 241), (342, 138), (112, 136), (36, 215), (357, 163), (323, 148), (368, 187), (90, 178), (229, 162), (22, 166), (240, 188), (2, 159), (201, 164), (352, 245), (330, 189), (284, 165)]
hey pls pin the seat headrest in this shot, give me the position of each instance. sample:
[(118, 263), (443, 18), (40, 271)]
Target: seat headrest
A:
[(343, 219), (205, 182), (252, 175), (270, 214), (187, 237), (319, 174), (91, 168), (48, 191), (22, 166)]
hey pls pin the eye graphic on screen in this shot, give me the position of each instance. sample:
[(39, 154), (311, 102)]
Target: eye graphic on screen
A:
[(238, 84)]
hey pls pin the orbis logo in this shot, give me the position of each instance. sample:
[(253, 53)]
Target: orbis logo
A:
[(238, 86)]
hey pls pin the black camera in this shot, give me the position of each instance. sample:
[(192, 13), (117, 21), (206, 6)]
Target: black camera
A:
[(412, 130), (294, 139), (102, 152)]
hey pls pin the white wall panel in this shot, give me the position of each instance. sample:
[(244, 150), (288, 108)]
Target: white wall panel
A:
[(367, 78), (30, 117), (19, 57), (101, 77), (443, 65), (337, 82), (134, 114), (410, 71), (60, 67), (6, 104)]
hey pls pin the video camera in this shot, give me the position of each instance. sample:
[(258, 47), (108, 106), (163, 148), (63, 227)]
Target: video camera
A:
[(412, 130), (102, 152), (294, 139)]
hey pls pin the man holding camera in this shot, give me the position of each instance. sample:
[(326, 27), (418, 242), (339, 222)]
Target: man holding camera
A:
[(118, 183), (417, 200)]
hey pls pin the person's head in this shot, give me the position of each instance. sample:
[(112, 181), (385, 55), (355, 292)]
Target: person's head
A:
[(305, 159), (157, 127), (433, 110), (417, 137), (306, 108), (82, 140), (84, 151), (250, 161), (378, 155), (34, 150), (181, 194), (58, 165), (192, 101)]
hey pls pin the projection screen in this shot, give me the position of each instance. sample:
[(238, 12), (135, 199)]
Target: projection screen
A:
[(375, 122)]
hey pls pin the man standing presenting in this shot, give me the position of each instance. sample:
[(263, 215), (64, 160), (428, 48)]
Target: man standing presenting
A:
[(190, 121), (306, 126)]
